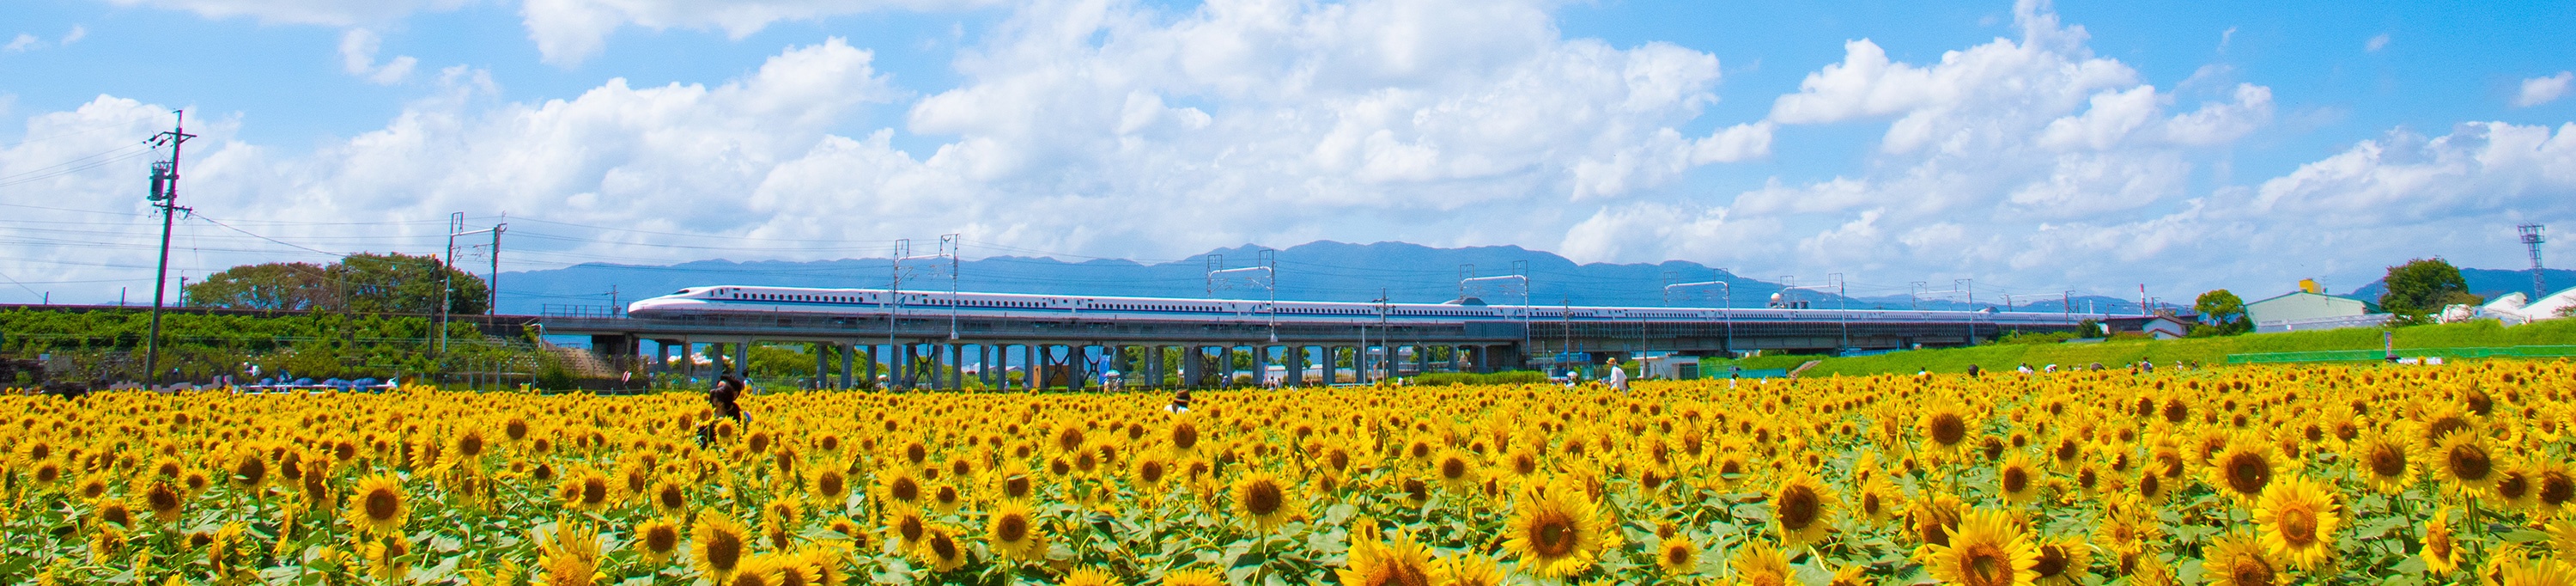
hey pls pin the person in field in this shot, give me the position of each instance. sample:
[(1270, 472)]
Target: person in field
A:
[(1618, 379), (726, 400)]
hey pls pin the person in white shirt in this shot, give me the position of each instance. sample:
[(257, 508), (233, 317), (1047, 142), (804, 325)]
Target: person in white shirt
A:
[(1618, 379)]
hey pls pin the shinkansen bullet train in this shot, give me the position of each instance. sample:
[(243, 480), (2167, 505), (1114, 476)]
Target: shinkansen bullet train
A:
[(748, 300)]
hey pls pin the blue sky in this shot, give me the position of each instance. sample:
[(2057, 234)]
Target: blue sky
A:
[(2033, 147)]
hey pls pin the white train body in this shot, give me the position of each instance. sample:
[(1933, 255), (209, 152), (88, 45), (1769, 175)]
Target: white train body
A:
[(877, 303)]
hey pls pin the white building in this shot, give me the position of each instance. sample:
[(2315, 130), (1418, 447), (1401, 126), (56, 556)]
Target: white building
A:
[(2310, 310)]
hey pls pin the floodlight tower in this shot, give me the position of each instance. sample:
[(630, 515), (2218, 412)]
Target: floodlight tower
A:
[(2532, 236)]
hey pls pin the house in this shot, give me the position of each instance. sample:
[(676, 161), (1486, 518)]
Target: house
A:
[(2310, 310), (2161, 326)]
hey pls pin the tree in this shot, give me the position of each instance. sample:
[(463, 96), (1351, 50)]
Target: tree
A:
[(2223, 312), (295, 286), (362, 283), (2421, 287)]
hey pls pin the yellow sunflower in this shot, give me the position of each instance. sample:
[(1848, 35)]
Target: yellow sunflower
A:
[(2440, 551), (719, 546), (910, 527), (657, 539), (2018, 479), (1987, 549), (1091, 577), (2386, 462), (1556, 529), (942, 550), (1192, 578), (2062, 562), (379, 506), (1378, 562), (1677, 556), (1264, 499), (1945, 429), (760, 570), (2298, 519), (2463, 463), (1468, 569), (1804, 509), (571, 557), (1013, 532), (1760, 564), (2238, 560), (2243, 469)]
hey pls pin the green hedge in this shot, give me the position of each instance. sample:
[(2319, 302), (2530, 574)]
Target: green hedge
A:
[(1509, 377), (2204, 351)]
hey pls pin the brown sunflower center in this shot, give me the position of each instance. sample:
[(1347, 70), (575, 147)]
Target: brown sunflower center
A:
[(2052, 561), (944, 546), (911, 528), (904, 489), (1948, 429), (594, 490), (1552, 536), (2016, 480), (2386, 461), (2470, 463), (1677, 555), (723, 550), (1011, 528), (382, 504), (2299, 527), (1984, 564), (2512, 485), (1453, 468), (2248, 571), (1799, 507), (2556, 488), (661, 538), (161, 498), (2248, 472), (1262, 497)]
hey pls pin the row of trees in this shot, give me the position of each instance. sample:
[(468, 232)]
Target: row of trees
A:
[(359, 283), (2416, 291)]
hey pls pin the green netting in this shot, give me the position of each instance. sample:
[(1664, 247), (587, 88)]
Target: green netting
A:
[(2375, 355)]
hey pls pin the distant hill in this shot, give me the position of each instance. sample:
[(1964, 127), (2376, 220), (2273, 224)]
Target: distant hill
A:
[(2487, 283), (1316, 271)]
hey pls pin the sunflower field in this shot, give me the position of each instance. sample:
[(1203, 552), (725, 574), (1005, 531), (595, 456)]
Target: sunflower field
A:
[(2251, 476)]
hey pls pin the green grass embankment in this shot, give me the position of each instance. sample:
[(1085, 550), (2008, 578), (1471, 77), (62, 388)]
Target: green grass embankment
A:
[(2205, 351)]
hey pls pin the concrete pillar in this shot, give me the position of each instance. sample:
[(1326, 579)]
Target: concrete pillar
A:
[(1078, 358), (956, 369), (742, 359), (903, 372), (822, 368), (874, 356), (1153, 359), (847, 353), (1190, 367), (1036, 368)]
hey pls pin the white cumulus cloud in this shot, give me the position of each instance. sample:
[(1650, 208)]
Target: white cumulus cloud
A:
[(358, 57), (2543, 90)]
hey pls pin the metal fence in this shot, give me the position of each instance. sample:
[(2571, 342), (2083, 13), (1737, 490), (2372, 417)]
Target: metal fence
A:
[(2377, 355)]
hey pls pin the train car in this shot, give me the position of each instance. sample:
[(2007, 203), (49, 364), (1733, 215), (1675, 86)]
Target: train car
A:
[(877, 303)]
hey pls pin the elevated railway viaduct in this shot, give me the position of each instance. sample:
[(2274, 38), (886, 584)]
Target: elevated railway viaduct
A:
[(942, 352)]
